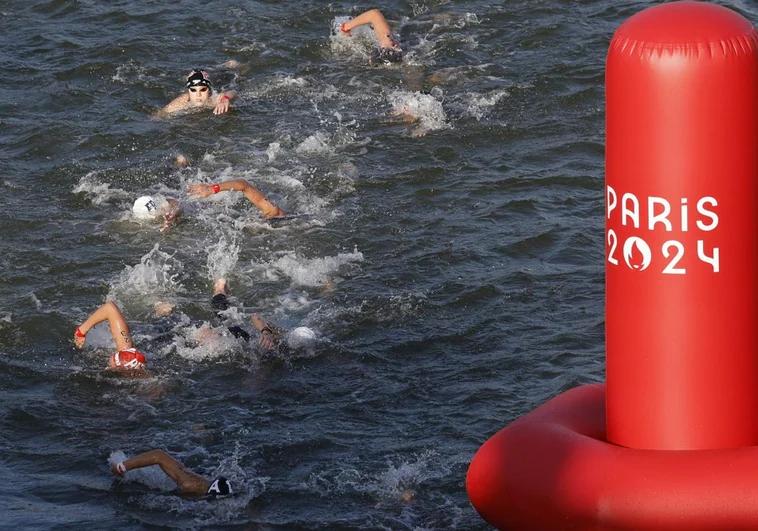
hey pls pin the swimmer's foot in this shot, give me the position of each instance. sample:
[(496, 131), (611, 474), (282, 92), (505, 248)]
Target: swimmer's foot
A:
[(328, 285), (404, 115), (162, 308), (219, 288)]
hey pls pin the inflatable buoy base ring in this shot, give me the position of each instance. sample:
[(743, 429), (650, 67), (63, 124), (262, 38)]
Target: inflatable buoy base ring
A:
[(554, 469)]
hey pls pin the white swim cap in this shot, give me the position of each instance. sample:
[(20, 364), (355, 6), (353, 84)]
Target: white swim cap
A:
[(145, 208)]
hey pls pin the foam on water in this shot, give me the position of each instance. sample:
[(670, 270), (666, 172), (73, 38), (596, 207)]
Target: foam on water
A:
[(274, 148), (446, 21), (157, 277), (313, 272), (401, 476), (132, 73), (98, 192), (201, 342), (293, 302), (425, 108), (316, 143), (222, 257), (281, 84), (480, 105)]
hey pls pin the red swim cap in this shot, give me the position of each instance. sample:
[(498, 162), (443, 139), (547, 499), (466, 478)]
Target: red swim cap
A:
[(130, 358)]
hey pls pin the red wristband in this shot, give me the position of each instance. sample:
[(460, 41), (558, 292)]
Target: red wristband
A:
[(78, 333), (216, 188), (224, 97), (343, 30)]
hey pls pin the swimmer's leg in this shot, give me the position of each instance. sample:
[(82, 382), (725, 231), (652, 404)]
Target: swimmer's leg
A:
[(220, 301)]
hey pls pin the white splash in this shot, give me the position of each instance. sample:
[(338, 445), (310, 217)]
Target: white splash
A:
[(399, 482), (203, 342), (274, 148), (156, 277), (281, 84), (293, 302), (99, 193), (316, 143), (481, 104), (423, 107), (222, 257), (313, 271)]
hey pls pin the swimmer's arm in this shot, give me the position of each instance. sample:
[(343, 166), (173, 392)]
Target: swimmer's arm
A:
[(119, 329), (225, 100), (252, 194), (187, 482), (177, 104), (267, 208), (378, 22), (173, 211)]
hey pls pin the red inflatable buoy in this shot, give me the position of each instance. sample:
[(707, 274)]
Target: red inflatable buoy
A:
[(671, 441), (681, 220)]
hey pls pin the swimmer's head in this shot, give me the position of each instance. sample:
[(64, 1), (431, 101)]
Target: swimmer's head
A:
[(129, 359), (386, 56), (199, 86), (220, 487), (147, 207), (198, 78)]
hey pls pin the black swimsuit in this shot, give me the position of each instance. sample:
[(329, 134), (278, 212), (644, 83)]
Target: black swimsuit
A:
[(220, 302)]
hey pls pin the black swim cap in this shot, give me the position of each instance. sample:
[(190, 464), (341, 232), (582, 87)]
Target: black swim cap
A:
[(198, 78), (386, 56), (220, 487)]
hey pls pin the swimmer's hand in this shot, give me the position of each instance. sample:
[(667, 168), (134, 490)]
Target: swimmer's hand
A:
[(79, 338), (225, 101), (199, 190), (167, 219), (222, 106), (267, 338), (175, 210), (344, 30), (263, 327), (118, 469)]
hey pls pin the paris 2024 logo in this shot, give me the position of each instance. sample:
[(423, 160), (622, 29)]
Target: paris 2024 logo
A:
[(655, 213)]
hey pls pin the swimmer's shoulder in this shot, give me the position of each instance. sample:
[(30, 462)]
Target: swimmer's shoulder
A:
[(179, 103)]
